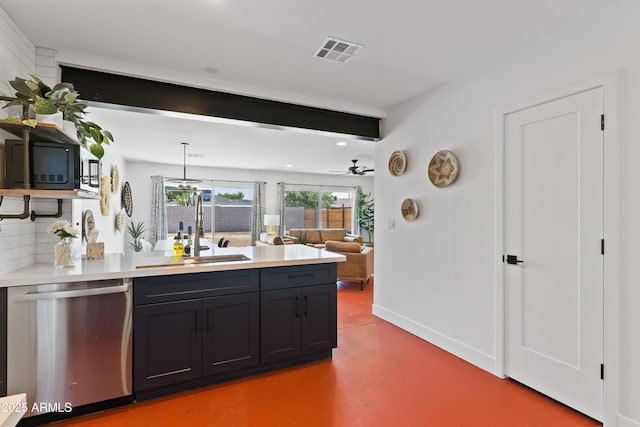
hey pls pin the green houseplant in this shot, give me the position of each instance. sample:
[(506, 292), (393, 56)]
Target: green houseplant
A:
[(136, 231), (365, 213), (302, 239), (35, 95)]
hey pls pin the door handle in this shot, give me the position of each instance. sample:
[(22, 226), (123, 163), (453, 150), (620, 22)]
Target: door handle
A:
[(513, 259), (88, 292)]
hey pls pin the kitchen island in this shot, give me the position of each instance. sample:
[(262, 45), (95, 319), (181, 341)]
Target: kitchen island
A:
[(118, 266), (190, 323)]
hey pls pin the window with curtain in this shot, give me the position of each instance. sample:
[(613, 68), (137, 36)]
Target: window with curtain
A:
[(318, 207), (227, 207)]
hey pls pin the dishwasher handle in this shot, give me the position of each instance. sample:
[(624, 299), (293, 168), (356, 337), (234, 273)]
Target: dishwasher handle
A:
[(73, 293)]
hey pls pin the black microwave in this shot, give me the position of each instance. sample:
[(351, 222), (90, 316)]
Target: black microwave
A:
[(54, 166)]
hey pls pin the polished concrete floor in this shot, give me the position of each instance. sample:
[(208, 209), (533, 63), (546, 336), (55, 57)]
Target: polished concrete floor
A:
[(380, 375)]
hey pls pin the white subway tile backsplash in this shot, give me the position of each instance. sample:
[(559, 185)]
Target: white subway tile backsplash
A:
[(46, 73), (45, 52), (26, 250), (18, 238), (26, 227), (9, 230)]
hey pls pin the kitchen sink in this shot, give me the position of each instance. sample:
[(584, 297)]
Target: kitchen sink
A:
[(208, 259), (215, 258)]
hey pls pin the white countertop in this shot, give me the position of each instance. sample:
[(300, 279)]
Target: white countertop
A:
[(12, 408), (117, 266)]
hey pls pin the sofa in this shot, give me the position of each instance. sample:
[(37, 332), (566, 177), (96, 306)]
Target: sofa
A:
[(319, 236), (359, 263)]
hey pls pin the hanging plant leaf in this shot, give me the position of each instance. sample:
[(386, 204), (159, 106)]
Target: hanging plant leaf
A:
[(96, 135), (96, 150), (107, 137)]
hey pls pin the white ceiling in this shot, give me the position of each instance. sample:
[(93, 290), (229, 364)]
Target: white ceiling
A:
[(265, 48)]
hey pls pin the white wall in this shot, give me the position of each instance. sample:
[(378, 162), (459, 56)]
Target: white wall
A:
[(139, 173), (435, 276)]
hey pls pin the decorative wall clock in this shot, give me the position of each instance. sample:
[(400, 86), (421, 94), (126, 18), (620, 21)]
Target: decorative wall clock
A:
[(443, 169), (88, 225)]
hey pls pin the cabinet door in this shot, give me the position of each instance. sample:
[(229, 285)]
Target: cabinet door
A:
[(167, 344), (319, 326), (280, 324), (231, 333)]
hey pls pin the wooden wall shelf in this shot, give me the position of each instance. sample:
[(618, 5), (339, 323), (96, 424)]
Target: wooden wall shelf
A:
[(50, 194), (46, 132), (58, 195)]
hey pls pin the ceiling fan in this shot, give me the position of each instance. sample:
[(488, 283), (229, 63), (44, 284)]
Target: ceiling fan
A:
[(357, 170)]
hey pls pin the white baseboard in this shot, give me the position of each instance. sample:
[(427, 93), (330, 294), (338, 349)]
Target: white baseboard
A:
[(448, 344), (626, 422)]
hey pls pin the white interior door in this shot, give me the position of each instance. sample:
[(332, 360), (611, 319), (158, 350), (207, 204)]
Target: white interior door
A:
[(554, 225)]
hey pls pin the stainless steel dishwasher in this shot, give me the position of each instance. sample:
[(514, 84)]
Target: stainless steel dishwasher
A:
[(69, 344)]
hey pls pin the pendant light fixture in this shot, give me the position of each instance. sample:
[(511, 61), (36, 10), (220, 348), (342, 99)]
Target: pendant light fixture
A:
[(184, 180)]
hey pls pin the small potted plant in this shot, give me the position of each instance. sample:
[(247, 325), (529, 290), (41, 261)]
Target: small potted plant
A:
[(32, 95), (63, 251), (136, 231), (302, 239), (61, 101)]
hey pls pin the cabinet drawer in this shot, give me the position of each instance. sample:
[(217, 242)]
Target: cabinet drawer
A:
[(296, 276), (148, 290)]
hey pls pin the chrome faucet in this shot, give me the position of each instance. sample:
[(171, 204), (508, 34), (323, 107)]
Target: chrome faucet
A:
[(198, 232)]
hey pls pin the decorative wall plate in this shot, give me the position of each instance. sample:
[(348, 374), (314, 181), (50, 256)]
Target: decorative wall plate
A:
[(121, 220), (88, 224), (397, 163), (409, 209), (127, 199), (443, 169), (115, 178), (105, 195)]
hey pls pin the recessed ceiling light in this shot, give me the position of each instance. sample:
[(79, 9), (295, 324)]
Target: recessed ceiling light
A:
[(288, 166), (341, 144)]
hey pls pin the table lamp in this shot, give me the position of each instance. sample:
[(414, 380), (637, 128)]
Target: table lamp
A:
[(271, 221)]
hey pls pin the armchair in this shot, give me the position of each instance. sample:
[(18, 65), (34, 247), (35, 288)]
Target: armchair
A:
[(359, 263)]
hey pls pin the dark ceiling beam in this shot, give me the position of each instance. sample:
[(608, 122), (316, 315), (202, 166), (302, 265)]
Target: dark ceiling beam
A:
[(142, 93)]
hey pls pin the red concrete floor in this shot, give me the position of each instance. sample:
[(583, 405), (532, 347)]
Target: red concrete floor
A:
[(380, 375)]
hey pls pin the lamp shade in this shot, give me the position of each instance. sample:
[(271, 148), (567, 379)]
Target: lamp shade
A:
[(271, 219)]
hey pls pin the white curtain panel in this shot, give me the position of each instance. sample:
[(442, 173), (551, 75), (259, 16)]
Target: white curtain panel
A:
[(281, 207), (158, 210), (258, 210)]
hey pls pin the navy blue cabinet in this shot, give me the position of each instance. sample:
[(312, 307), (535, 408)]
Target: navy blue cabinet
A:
[(198, 328), (298, 311), (230, 333), (168, 343), (182, 333)]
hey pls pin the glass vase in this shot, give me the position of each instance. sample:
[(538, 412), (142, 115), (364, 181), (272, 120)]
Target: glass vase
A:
[(62, 254)]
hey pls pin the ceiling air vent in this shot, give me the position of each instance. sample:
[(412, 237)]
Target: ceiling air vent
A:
[(335, 49)]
